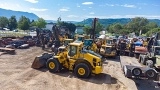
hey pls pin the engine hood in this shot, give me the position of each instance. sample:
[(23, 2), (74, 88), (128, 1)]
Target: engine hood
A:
[(93, 53)]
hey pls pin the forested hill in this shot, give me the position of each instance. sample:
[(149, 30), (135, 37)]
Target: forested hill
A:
[(18, 14), (106, 22)]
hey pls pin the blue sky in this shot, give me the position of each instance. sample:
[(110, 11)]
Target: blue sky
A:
[(78, 10)]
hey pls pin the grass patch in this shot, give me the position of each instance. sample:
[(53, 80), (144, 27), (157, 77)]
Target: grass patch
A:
[(11, 33)]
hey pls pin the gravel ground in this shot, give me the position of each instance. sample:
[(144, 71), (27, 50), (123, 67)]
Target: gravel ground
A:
[(16, 74)]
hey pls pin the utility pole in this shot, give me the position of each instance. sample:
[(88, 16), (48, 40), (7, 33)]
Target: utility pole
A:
[(94, 27)]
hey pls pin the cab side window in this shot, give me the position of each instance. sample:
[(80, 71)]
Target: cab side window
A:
[(73, 51)]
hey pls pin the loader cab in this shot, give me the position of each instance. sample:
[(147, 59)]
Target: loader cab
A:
[(80, 38), (156, 54), (109, 41), (88, 42), (75, 49), (158, 42), (67, 41), (156, 50)]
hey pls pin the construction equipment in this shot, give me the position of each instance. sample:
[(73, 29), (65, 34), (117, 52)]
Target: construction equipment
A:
[(109, 49), (152, 57), (74, 58), (89, 44), (82, 62)]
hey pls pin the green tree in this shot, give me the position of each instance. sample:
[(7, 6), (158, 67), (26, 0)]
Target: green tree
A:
[(59, 22), (151, 25), (152, 31), (33, 23), (70, 26), (41, 23), (114, 28), (87, 29), (124, 32), (3, 21), (23, 23), (12, 23), (99, 27), (138, 24)]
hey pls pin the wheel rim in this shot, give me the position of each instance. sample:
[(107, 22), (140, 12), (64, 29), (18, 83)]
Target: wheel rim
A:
[(137, 72), (81, 71), (51, 65), (150, 74)]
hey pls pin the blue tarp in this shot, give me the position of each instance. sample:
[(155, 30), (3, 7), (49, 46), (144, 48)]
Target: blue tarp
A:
[(138, 43)]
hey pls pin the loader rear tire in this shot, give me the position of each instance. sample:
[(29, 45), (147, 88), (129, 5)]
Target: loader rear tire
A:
[(53, 65), (82, 70)]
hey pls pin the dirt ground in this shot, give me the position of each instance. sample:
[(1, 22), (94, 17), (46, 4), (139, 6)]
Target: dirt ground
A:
[(16, 74)]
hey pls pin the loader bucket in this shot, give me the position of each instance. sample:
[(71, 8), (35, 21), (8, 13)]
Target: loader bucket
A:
[(36, 63), (40, 61)]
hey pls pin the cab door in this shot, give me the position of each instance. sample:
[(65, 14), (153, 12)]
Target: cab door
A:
[(73, 55)]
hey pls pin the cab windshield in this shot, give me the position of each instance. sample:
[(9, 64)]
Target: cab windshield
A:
[(157, 51), (109, 41), (158, 42), (66, 42)]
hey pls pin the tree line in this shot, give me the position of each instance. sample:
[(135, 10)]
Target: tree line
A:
[(23, 23), (138, 25)]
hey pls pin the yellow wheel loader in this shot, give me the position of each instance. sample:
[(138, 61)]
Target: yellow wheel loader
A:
[(82, 62)]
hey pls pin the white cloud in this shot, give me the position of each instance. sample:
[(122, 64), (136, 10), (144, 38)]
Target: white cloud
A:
[(110, 5), (146, 16), (72, 16), (89, 7), (36, 9), (12, 6), (91, 13), (125, 16), (32, 1), (87, 3), (129, 6), (64, 9), (125, 5)]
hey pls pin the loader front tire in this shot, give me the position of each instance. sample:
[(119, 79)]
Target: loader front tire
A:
[(53, 65), (82, 70)]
